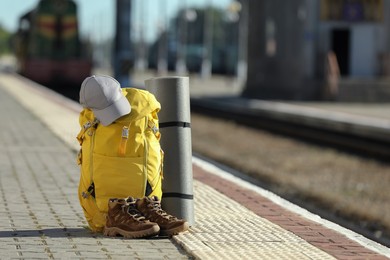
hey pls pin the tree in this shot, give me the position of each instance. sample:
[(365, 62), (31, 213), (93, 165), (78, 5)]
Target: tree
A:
[(5, 38)]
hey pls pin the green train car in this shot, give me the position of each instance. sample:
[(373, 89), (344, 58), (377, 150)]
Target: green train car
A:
[(48, 47)]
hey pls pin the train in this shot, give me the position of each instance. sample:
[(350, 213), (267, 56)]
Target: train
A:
[(48, 47)]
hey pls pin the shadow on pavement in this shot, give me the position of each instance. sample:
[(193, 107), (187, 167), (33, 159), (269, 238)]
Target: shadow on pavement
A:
[(50, 232), (60, 232)]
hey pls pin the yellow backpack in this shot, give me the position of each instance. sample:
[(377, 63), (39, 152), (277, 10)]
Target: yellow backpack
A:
[(120, 160)]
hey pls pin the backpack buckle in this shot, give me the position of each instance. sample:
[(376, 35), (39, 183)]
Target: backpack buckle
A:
[(153, 127), (90, 191), (125, 132)]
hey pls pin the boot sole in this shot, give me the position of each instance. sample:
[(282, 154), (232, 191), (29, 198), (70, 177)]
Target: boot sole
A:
[(175, 231), (114, 231)]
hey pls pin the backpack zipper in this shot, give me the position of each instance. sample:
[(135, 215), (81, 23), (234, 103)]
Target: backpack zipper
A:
[(146, 153), (91, 189)]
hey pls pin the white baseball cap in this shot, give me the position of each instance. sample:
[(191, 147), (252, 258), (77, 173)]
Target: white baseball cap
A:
[(104, 96)]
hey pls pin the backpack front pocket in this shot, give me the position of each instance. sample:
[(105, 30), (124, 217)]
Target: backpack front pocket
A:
[(117, 177)]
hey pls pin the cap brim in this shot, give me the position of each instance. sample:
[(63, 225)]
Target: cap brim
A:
[(118, 109)]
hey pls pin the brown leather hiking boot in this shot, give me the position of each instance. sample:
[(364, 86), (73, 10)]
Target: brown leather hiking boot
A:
[(169, 225), (124, 219)]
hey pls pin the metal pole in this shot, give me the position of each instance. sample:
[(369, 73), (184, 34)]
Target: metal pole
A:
[(141, 63), (175, 128), (207, 59), (242, 66), (181, 56), (123, 56), (162, 65)]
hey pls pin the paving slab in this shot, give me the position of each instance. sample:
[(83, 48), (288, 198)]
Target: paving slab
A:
[(41, 217)]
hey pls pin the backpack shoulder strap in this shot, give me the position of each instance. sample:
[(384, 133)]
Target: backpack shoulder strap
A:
[(142, 102)]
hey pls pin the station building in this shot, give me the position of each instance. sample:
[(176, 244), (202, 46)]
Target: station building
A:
[(319, 50)]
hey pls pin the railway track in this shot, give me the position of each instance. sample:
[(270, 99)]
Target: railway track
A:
[(362, 135)]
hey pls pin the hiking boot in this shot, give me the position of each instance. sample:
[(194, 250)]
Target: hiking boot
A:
[(169, 225), (124, 219)]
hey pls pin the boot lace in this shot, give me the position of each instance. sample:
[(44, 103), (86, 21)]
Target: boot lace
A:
[(156, 207), (131, 209)]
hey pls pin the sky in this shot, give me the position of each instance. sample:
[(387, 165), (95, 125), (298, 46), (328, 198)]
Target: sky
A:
[(97, 20)]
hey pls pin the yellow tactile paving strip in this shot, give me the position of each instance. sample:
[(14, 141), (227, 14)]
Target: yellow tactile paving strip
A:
[(227, 230), (329, 237)]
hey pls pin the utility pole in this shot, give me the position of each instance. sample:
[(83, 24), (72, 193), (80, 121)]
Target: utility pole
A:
[(162, 64), (242, 66), (181, 63), (123, 54), (276, 43), (141, 61), (207, 59)]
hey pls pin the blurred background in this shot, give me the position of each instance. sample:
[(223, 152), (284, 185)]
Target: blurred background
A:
[(328, 61), (334, 50)]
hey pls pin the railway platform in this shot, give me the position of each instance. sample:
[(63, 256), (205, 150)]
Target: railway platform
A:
[(40, 216), (365, 120)]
